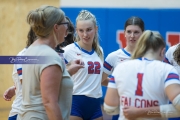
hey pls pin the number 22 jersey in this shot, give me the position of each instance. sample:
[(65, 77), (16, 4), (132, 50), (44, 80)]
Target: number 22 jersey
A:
[(87, 81)]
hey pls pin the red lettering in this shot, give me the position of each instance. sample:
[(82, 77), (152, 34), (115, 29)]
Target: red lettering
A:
[(125, 102), (149, 103), (139, 103), (121, 40), (136, 103), (155, 103), (129, 101), (139, 91), (173, 38), (122, 100), (142, 103)]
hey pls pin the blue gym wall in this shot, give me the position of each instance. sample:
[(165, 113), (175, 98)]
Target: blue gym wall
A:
[(111, 20)]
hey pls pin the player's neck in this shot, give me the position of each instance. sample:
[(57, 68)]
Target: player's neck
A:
[(129, 49), (151, 55), (85, 47)]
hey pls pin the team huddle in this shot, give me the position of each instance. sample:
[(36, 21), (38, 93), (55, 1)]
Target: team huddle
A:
[(140, 78)]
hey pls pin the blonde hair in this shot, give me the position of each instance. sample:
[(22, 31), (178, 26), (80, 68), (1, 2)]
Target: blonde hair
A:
[(148, 40), (86, 15), (42, 20)]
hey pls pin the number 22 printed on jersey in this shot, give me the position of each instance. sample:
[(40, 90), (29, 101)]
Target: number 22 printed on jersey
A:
[(94, 67)]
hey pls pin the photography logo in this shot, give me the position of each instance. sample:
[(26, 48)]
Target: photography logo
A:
[(155, 112), (25, 59)]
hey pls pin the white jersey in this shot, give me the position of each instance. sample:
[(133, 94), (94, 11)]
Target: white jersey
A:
[(17, 76), (114, 58), (169, 58), (87, 81), (141, 83)]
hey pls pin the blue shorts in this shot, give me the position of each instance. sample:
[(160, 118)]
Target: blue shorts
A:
[(174, 119), (115, 117), (12, 117), (86, 107)]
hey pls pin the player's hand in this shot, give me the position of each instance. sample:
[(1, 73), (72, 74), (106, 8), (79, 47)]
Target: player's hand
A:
[(9, 93), (131, 112), (74, 66)]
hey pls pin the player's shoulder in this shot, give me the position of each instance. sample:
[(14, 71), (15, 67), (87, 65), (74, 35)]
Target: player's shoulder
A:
[(101, 49), (115, 53), (70, 50), (161, 65), (166, 64), (125, 66), (154, 64), (172, 48), (22, 52), (131, 62), (167, 68), (69, 47)]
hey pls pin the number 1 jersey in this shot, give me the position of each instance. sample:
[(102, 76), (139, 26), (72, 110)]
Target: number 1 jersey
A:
[(142, 82)]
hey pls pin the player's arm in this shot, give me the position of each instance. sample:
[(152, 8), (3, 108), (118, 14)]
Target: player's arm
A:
[(107, 70), (164, 111), (173, 93), (9, 93), (133, 112), (111, 102), (172, 89), (105, 79), (73, 66)]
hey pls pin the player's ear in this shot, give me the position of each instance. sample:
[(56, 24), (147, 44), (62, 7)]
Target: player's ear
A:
[(55, 27), (162, 52)]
